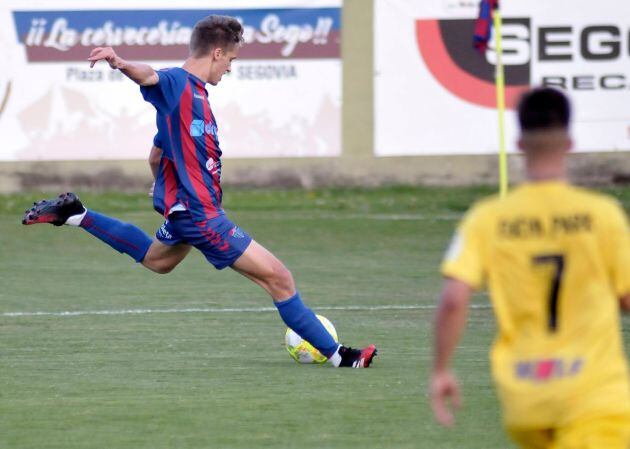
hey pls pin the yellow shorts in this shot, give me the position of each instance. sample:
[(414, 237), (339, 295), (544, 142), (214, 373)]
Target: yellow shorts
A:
[(611, 432)]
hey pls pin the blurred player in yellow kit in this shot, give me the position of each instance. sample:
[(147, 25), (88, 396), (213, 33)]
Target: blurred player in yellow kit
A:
[(556, 261)]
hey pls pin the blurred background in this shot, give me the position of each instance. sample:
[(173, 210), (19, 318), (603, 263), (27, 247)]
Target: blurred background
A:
[(325, 92)]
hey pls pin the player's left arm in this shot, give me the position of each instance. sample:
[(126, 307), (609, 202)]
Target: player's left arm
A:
[(617, 237), (450, 322), (155, 156), (141, 74)]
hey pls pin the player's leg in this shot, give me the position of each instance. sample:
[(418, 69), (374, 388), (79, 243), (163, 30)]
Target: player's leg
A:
[(123, 237), (68, 209), (162, 258), (225, 245), (261, 266), (168, 248), (266, 270)]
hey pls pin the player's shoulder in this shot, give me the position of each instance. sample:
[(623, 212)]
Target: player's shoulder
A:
[(172, 71), (596, 200), (605, 209), (174, 79), (486, 205), (563, 194), (483, 209)]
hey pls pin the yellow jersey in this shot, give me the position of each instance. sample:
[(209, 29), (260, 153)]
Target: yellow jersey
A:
[(555, 259)]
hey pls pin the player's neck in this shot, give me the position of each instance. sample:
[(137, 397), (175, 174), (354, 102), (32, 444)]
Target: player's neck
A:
[(545, 169), (198, 67), (545, 154)]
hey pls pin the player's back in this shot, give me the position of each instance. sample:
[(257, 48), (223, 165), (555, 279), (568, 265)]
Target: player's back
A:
[(556, 258)]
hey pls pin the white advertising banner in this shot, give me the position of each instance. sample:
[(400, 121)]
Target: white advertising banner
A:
[(434, 93), (282, 99)]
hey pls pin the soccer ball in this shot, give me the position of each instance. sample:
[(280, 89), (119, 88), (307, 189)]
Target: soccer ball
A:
[(302, 351)]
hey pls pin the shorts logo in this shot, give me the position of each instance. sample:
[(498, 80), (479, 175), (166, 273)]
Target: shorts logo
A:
[(163, 233), (237, 233), (196, 128)]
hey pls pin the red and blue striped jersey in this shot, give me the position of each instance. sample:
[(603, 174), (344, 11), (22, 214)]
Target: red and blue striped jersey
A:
[(190, 169)]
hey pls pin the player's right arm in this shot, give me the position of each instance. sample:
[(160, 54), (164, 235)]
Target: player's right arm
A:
[(463, 269), (450, 321), (139, 73)]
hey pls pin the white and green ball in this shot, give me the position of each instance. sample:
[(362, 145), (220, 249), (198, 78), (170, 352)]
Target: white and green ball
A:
[(301, 350)]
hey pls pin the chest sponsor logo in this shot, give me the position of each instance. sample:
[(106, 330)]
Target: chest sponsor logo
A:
[(211, 129), (544, 370), (197, 128)]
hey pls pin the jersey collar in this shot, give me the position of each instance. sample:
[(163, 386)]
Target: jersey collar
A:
[(194, 78)]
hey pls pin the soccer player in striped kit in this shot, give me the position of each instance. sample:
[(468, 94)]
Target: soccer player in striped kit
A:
[(188, 187)]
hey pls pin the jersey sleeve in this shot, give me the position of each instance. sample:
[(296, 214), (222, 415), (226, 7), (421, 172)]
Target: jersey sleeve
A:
[(165, 95), (618, 245), (464, 257), (157, 141)]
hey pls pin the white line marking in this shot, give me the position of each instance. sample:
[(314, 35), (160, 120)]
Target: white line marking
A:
[(309, 215), (71, 313)]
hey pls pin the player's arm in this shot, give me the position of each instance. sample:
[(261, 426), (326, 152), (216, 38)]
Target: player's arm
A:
[(463, 269), (155, 156), (617, 238), (450, 321), (142, 74)]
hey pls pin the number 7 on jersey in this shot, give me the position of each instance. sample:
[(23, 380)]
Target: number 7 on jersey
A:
[(557, 260)]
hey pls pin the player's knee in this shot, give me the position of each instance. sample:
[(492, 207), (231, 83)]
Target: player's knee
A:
[(282, 278)]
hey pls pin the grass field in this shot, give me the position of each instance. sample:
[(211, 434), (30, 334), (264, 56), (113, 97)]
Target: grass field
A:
[(183, 372)]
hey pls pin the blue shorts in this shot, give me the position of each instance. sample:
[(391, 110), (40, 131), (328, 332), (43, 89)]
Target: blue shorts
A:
[(220, 240)]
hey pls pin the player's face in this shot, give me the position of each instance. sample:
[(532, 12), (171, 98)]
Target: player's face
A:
[(222, 63)]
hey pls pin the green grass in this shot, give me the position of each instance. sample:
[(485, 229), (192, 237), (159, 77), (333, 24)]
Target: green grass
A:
[(224, 380)]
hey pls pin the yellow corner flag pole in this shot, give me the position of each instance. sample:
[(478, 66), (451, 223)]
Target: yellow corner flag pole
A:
[(500, 84)]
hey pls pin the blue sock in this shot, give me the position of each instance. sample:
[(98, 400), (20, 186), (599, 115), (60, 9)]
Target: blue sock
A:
[(123, 237), (304, 322)]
